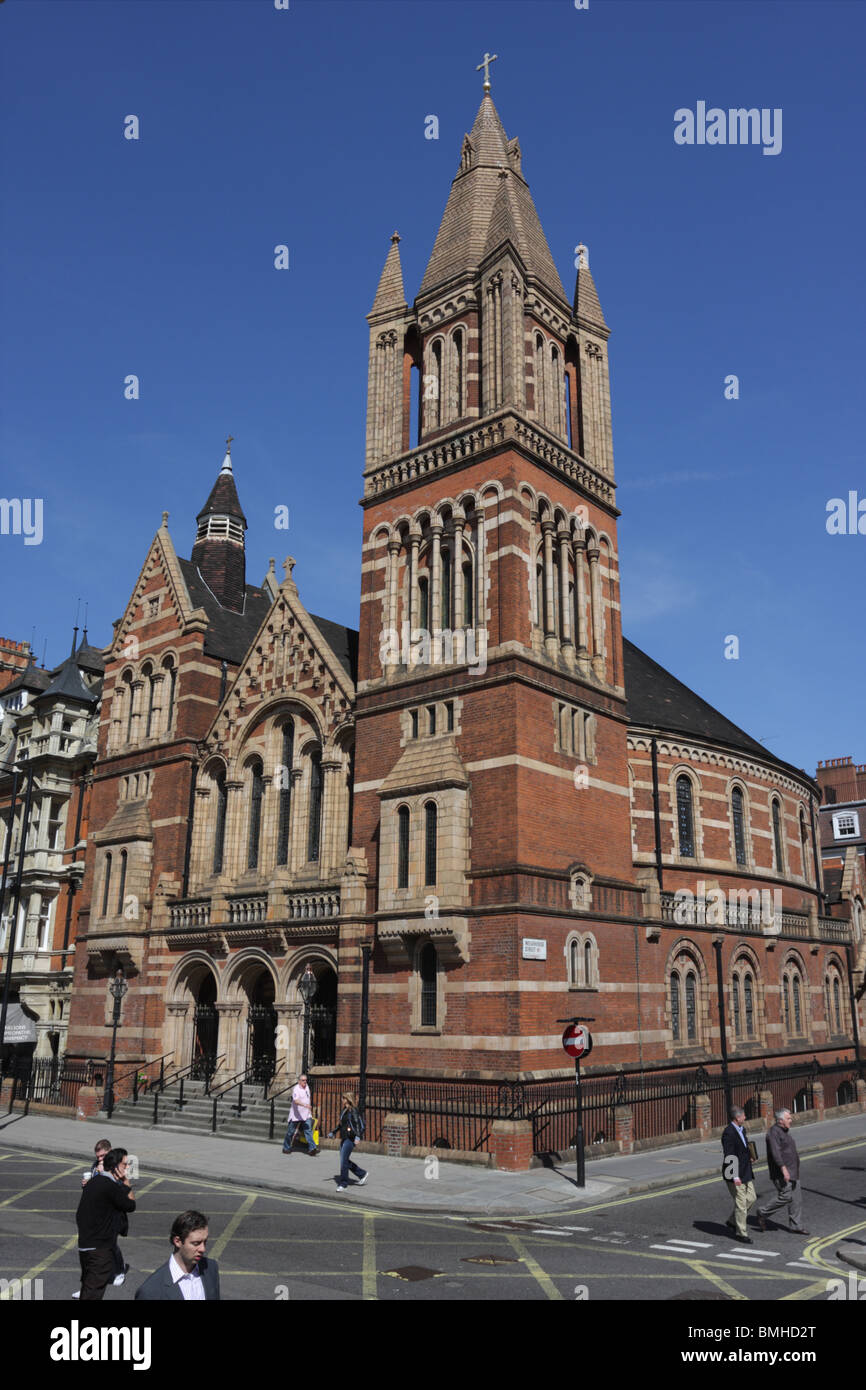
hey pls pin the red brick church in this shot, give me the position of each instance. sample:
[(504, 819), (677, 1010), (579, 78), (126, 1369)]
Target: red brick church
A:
[(486, 792)]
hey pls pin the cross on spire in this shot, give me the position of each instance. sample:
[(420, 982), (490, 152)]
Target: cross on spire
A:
[(488, 59), (229, 443)]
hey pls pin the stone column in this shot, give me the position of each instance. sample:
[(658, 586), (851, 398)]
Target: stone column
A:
[(704, 1115), (511, 1145), (551, 643), (414, 544), (297, 849), (435, 604), (623, 1121), (393, 570), (235, 841), (580, 604), (175, 1039), (457, 572), (231, 1040), (564, 604), (480, 538), (330, 816), (593, 553), (31, 921)]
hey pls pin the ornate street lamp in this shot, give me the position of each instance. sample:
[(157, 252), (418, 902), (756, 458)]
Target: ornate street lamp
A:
[(307, 987), (117, 988)]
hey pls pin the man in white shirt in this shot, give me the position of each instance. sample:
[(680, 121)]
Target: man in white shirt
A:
[(300, 1115), (188, 1275)]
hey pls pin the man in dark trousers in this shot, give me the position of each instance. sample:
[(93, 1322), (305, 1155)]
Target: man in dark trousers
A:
[(106, 1198), (783, 1162), (188, 1276), (738, 1174)]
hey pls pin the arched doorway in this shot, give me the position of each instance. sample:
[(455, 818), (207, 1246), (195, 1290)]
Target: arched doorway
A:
[(261, 1029), (323, 1018), (205, 1029)]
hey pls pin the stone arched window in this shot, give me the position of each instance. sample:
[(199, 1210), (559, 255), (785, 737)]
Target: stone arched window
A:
[(793, 999), (749, 1003), (423, 603), (776, 811), (121, 886), (804, 847), (403, 823), (540, 403), (685, 817), (256, 794), (686, 998), (106, 883), (287, 754), (150, 696), (836, 1014), (738, 822), (170, 677), (458, 373), (433, 407), (735, 1006), (220, 810), (314, 827), (581, 956), (430, 842), (128, 703)]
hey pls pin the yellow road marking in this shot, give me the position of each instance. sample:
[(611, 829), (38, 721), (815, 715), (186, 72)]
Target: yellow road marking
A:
[(534, 1267), (222, 1241), (706, 1273), (369, 1290), (36, 1186), (36, 1270)]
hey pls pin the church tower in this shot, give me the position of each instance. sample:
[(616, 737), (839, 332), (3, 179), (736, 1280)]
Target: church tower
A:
[(491, 793), (219, 552)]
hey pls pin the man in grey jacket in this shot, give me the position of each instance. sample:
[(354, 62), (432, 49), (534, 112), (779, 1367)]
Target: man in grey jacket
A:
[(783, 1163)]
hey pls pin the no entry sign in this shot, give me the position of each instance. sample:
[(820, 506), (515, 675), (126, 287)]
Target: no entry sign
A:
[(577, 1040)]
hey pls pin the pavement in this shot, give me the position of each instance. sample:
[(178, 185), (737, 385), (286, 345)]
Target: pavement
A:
[(400, 1184)]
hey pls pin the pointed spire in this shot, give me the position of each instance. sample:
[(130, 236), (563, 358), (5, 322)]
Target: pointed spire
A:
[(464, 235), (219, 551), (74, 639), (587, 305), (391, 296)]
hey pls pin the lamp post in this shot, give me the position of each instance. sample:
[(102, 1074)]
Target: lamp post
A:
[(117, 988), (307, 987)]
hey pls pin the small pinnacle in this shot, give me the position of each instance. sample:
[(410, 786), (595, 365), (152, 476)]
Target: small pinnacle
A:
[(288, 565), (583, 253), (165, 518), (395, 237)]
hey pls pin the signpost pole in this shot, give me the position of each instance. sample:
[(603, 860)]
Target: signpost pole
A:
[(581, 1157)]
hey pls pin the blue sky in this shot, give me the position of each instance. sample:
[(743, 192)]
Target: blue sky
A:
[(306, 127)]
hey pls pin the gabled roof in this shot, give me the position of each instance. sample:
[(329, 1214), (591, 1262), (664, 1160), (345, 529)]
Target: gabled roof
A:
[(343, 642), (229, 635), (33, 678), (657, 700), (462, 239)]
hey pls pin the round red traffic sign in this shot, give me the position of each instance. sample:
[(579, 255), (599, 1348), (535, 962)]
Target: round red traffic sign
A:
[(577, 1040)]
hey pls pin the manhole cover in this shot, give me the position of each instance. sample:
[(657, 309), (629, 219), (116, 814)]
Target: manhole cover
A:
[(413, 1274), (488, 1260)]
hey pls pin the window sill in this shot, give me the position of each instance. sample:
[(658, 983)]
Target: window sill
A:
[(426, 1031)]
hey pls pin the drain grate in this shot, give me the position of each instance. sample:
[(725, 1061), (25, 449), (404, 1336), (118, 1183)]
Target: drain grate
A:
[(413, 1274), (488, 1260)]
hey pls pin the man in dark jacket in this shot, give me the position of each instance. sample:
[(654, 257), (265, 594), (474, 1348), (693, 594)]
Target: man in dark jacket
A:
[(738, 1174), (188, 1276), (106, 1198), (783, 1162)]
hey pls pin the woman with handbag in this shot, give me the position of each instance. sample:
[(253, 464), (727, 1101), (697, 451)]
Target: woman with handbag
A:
[(351, 1128)]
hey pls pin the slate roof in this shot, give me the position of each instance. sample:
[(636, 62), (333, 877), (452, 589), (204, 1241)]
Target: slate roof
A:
[(657, 700), (89, 658), (67, 682), (223, 499), (33, 678), (462, 239), (229, 635), (587, 304), (343, 642)]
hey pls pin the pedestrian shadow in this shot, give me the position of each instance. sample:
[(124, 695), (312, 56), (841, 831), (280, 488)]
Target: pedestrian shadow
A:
[(10, 1120), (831, 1197), (712, 1228)]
